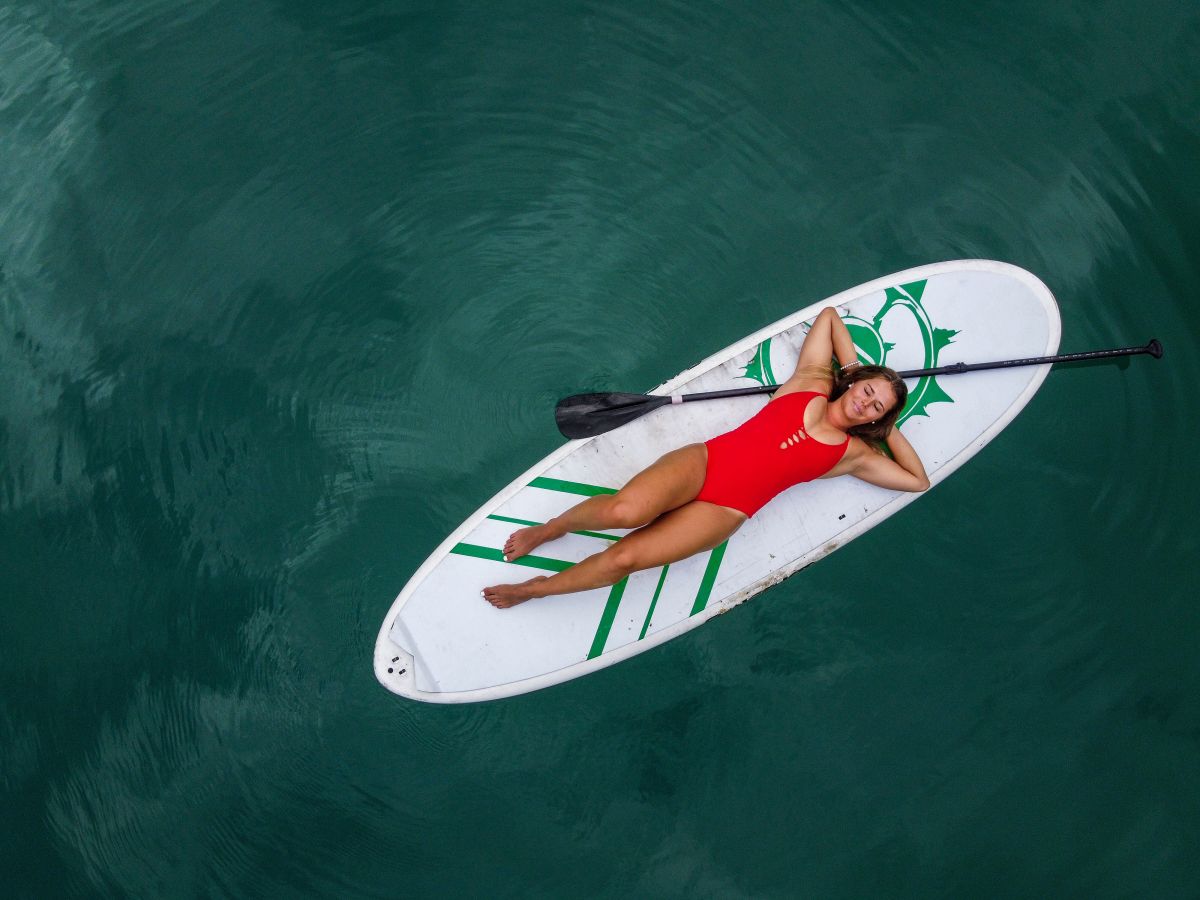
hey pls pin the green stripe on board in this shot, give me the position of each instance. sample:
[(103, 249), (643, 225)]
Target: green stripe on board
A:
[(710, 577), (607, 618), (570, 487), (514, 521), (654, 602), (598, 534), (765, 350), (595, 534), (534, 562)]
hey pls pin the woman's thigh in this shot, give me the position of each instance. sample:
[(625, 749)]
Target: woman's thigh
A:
[(678, 534), (668, 483)]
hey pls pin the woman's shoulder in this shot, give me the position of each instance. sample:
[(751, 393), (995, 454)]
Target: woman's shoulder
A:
[(858, 449), (802, 398), (807, 383), (856, 446)]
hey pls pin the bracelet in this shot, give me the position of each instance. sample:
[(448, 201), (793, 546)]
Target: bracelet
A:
[(851, 365)]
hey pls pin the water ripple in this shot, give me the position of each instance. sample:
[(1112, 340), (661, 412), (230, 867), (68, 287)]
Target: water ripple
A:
[(286, 288)]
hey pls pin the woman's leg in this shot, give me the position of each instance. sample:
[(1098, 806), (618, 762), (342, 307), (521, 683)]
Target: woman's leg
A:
[(670, 482), (678, 534)]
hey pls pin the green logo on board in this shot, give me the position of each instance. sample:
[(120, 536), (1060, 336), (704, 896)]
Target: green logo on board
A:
[(759, 367), (873, 348)]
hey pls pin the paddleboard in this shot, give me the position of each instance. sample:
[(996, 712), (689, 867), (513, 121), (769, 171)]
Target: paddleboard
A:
[(441, 642)]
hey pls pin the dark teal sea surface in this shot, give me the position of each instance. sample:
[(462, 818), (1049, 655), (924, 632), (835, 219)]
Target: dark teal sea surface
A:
[(288, 289)]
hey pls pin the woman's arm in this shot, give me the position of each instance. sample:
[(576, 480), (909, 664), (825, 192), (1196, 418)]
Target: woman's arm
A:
[(904, 472), (827, 339)]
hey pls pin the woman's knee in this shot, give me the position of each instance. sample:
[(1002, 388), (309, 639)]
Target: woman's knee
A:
[(621, 561), (625, 513)]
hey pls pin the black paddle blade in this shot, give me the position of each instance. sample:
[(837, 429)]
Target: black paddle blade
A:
[(587, 415)]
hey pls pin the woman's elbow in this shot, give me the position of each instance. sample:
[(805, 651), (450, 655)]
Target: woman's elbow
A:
[(921, 486)]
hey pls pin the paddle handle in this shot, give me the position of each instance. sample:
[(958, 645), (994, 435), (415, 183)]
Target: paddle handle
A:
[(1154, 348)]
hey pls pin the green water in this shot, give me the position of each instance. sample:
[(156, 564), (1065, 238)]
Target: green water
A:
[(288, 289)]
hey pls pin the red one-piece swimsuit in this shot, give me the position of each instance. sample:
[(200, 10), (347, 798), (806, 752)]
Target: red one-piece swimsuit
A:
[(766, 455)]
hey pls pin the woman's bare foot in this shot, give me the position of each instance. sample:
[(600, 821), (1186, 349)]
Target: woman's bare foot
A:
[(524, 540), (502, 596)]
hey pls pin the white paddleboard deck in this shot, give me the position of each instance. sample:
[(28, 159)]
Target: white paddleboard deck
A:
[(442, 642)]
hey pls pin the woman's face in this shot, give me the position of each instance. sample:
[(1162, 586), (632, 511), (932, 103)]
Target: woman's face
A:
[(867, 400)]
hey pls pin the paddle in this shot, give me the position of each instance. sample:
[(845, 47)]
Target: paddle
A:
[(587, 415)]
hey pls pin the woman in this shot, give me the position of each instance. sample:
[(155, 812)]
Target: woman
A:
[(694, 498)]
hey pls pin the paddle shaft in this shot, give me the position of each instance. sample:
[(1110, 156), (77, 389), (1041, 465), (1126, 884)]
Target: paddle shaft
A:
[(1154, 348)]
